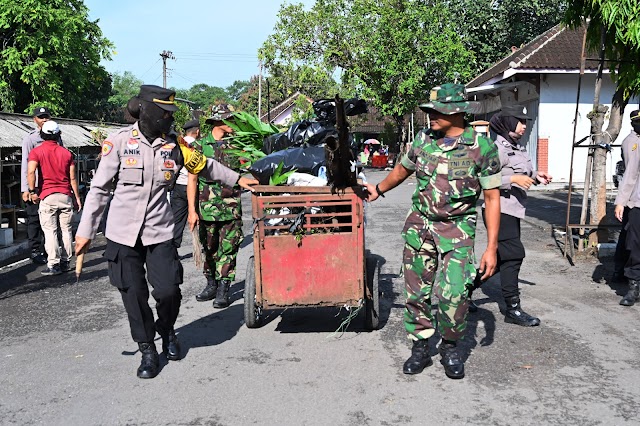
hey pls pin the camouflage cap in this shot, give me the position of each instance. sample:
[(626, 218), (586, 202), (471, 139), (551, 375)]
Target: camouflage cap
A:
[(449, 99), (220, 112)]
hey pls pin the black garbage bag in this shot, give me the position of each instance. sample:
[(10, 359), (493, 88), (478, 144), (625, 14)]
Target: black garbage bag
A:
[(307, 159), (276, 142), (325, 109), (300, 133)]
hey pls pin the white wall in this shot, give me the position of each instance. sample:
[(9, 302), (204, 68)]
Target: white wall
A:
[(555, 121)]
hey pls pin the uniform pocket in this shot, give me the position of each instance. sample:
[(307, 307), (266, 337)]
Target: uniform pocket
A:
[(131, 171), (116, 276)]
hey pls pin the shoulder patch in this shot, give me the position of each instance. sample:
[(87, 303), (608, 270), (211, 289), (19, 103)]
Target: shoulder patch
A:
[(107, 147)]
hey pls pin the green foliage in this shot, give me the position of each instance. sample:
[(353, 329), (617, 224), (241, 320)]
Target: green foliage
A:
[(621, 21), (389, 136), (50, 56), (204, 96), (391, 51), (284, 80), (490, 27), (302, 109), (247, 137), (181, 116), (237, 89), (124, 87), (279, 178)]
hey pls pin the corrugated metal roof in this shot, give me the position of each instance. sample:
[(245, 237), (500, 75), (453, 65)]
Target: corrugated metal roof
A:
[(75, 133)]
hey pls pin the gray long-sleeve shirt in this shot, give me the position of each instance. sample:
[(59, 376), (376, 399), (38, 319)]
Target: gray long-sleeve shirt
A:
[(143, 172), (514, 160), (629, 188)]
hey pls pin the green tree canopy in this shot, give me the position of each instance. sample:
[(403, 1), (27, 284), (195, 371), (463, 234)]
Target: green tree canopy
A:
[(124, 87), (390, 51), (203, 96), (490, 27), (50, 56)]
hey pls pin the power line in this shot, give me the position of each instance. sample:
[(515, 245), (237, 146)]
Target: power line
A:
[(150, 68)]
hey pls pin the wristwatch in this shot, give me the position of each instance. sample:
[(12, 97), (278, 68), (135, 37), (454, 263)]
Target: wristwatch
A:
[(380, 193), (32, 191)]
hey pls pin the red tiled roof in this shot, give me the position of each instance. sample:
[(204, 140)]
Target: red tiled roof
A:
[(558, 48)]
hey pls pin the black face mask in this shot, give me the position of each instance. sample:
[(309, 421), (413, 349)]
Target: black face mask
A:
[(636, 126), (154, 122)]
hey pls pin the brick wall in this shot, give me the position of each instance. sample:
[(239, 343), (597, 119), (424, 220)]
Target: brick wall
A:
[(543, 155)]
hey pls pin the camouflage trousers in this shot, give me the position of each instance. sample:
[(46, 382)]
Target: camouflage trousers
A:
[(221, 242), (427, 244)]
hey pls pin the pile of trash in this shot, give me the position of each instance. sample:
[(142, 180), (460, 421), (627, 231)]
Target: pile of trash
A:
[(301, 147)]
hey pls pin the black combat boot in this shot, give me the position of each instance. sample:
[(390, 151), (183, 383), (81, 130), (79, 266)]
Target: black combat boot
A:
[(209, 292), (473, 308), (451, 360), (150, 364), (515, 314), (632, 295), (222, 296), (171, 346), (419, 358)]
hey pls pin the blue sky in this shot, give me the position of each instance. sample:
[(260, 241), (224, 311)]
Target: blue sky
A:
[(215, 42)]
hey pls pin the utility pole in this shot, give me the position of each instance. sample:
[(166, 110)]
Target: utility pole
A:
[(166, 54)]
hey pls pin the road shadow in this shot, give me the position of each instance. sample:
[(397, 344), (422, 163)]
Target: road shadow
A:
[(211, 330), (26, 278), (603, 273)]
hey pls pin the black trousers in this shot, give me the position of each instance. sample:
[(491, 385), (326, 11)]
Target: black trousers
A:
[(510, 254), (622, 254), (180, 208), (164, 273), (632, 267), (34, 230)]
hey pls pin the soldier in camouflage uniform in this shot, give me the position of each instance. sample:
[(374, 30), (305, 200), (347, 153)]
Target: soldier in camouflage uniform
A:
[(453, 164), (220, 214)]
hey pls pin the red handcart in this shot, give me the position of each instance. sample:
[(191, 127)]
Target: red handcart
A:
[(309, 252)]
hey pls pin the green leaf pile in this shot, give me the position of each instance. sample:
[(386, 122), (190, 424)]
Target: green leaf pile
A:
[(247, 137)]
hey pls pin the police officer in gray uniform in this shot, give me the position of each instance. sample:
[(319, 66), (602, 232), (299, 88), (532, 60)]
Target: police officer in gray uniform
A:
[(139, 230), (34, 231), (518, 175), (629, 198)]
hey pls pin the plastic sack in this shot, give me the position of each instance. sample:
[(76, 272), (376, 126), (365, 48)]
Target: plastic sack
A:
[(300, 133), (307, 159)]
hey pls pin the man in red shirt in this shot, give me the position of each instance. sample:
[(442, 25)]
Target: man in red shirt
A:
[(57, 179)]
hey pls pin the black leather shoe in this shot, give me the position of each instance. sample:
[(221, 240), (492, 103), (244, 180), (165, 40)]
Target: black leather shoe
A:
[(451, 361), (222, 296), (632, 295), (515, 314), (473, 308), (171, 346), (209, 292), (419, 359), (150, 364)]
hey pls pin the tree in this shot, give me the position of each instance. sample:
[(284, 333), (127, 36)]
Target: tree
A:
[(124, 87), (489, 28), (390, 51), (50, 56), (203, 96), (613, 29), (237, 89), (283, 80)]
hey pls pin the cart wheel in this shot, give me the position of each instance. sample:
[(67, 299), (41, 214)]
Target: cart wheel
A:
[(252, 312), (372, 305)]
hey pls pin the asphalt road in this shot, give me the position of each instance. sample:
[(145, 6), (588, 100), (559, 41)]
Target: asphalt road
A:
[(66, 356)]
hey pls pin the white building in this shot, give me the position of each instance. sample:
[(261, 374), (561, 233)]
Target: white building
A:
[(544, 76)]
